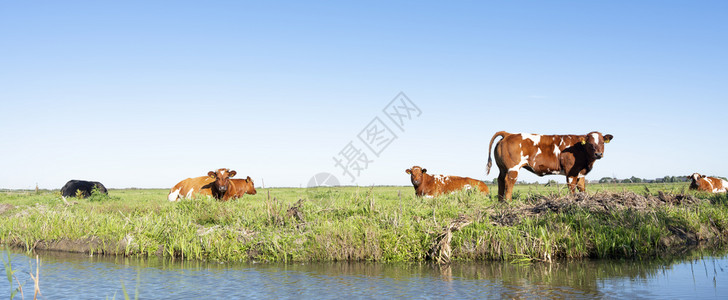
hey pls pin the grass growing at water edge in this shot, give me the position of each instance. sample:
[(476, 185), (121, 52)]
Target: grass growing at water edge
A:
[(365, 224), (10, 273)]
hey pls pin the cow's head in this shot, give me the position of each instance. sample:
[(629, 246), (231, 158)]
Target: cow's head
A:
[(695, 177), (250, 189), (222, 178), (416, 174), (594, 144)]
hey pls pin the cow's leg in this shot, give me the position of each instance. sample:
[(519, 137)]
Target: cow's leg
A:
[(581, 184), (502, 185), (510, 181), (572, 181)]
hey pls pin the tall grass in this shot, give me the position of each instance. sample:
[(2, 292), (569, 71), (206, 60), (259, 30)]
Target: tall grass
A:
[(355, 224)]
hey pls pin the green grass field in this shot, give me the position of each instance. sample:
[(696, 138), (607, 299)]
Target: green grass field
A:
[(365, 224)]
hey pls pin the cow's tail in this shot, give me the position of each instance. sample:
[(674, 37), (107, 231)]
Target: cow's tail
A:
[(490, 147)]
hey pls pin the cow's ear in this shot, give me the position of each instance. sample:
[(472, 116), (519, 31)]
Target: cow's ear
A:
[(703, 176), (582, 140), (608, 138), (408, 171), (232, 173), (424, 170), (211, 174), (248, 179)]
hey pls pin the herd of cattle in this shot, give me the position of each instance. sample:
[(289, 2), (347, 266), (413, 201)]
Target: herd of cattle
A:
[(569, 155)]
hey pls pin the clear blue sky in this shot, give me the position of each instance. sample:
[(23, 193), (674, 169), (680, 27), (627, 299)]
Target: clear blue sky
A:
[(146, 93)]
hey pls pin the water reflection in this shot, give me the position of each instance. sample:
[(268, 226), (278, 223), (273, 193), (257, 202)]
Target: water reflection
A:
[(65, 275)]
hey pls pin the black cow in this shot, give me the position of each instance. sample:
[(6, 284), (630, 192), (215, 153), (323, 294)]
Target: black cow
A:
[(84, 187)]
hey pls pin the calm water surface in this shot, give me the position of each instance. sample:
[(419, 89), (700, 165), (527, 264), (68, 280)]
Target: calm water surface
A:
[(76, 276)]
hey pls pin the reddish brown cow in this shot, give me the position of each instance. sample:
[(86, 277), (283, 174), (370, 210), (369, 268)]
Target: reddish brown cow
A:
[(570, 155), (243, 186), (216, 184), (708, 184), (434, 185)]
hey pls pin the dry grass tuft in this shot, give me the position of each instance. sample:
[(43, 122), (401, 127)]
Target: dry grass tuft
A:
[(440, 251)]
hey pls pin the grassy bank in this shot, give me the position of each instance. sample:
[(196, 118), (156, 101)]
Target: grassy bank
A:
[(376, 224)]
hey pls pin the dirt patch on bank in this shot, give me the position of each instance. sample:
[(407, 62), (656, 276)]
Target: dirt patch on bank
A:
[(594, 203), (85, 245), (605, 201)]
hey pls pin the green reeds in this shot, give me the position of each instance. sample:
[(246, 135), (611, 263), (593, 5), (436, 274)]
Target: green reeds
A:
[(370, 224), (10, 273)]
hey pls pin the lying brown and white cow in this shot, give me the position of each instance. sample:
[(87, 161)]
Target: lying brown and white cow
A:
[(216, 184), (434, 185), (708, 184), (570, 155)]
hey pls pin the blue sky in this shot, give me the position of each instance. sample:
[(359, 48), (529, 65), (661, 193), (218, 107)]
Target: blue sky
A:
[(147, 93)]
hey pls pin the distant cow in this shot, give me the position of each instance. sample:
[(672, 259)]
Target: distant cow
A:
[(216, 184), (243, 186), (82, 187), (434, 185), (570, 155), (708, 184)]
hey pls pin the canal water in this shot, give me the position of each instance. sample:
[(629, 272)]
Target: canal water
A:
[(78, 276)]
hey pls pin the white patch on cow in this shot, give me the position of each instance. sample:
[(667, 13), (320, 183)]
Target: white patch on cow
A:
[(519, 165), (467, 187), (555, 172), (713, 188), (429, 196), (523, 162), (535, 138), (725, 186), (173, 195), (595, 136), (441, 179), (189, 194)]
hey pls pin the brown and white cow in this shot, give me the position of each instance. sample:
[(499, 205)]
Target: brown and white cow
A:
[(216, 184), (708, 184), (434, 185), (189, 187), (243, 186), (570, 155)]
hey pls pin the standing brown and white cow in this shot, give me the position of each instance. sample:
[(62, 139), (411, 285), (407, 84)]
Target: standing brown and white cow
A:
[(216, 184), (434, 185), (708, 184), (570, 155)]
